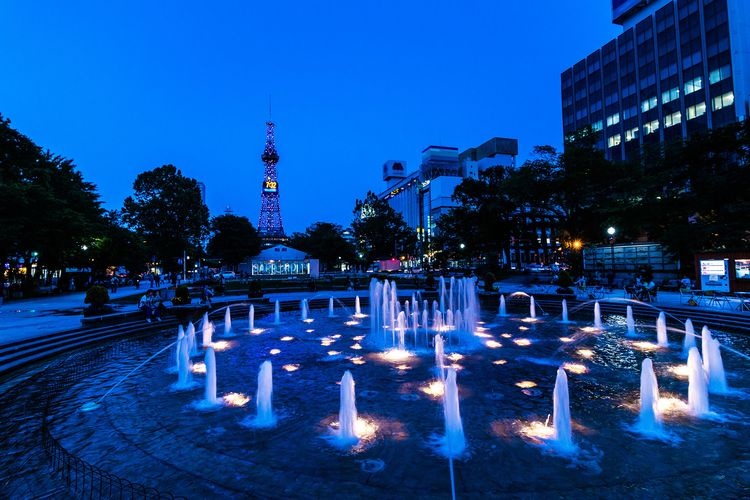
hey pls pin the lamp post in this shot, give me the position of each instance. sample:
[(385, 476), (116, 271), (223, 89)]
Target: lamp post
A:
[(611, 232)]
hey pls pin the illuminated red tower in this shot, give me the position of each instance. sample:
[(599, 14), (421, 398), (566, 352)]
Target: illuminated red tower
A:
[(270, 226)]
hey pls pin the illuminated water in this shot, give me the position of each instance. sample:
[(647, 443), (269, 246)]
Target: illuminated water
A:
[(661, 330)]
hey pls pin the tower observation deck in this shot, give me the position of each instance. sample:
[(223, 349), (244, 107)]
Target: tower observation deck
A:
[(270, 225)]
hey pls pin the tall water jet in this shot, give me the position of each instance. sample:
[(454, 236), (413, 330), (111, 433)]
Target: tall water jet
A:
[(717, 381), (502, 311), (661, 330), (439, 357), (227, 322), (697, 387), (705, 346), (303, 309), (265, 417), (649, 418), (689, 340), (190, 338), (630, 321), (597, 315), (276, 313), (180, 336), (454, 443), (532, 308), (565, 311), (347, 410), (330, 308), (357, 307), (210, 394), (562, 435), (251, 317), (401, 327), (184, 375), (208, 331)]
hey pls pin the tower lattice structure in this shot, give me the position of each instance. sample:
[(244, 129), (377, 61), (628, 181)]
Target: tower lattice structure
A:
[(270, 225)]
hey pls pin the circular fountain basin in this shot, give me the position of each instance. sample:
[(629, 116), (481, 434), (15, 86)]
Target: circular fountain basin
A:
[(147, 433)]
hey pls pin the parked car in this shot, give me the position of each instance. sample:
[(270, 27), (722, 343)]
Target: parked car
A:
[(227, 275)]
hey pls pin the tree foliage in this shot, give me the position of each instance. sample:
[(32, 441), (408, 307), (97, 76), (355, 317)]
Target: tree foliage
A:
[(324, 241), (167, 210), (233, 239), (47, 210), (380, 232)]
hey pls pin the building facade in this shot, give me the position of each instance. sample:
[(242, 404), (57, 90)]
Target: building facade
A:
[(679, 67)]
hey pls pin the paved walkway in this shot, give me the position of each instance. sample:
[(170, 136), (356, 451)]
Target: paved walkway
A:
[(27, 318)]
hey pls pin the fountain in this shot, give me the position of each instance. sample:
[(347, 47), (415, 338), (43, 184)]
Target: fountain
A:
[(330, 308), (347, 431), (439, 357), (265, 417), (454, 442), (565, 311), (532, 308), (563, 435), (209, 400), (697, 388), (190, 338), (276, 313), (502, 312), (228, 322), (705, 347), (649, 418), (357, 308), (184, 375), (251, 318), (689, 340), (630, 321), (597, 316), (717, 381), (304, 310), (208, 331), (661, 330)]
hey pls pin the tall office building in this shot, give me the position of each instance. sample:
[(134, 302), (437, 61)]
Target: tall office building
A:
[(679, 67)]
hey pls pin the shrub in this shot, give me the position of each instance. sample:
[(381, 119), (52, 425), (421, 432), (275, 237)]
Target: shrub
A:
[(97, 296), (564, 280), (255, 289), (181, 295), (489, 280)]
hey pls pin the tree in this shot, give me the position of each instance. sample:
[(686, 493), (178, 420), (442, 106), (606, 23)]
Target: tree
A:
[(116, 245), (47, 210), (324, 241), (380, 232), (234, 239), (167, 210)]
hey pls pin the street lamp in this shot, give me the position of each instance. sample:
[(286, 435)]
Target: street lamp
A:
[(611, 232)]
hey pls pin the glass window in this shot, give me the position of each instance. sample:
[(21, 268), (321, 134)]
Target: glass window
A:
[(696, 110), (648, 104), (670, 95), (672, 119), (631, 134), (629, 112), (693, 85), (614, 141), (651, 127), (596, 126), (613, 119), (719, 74), (722, 101)]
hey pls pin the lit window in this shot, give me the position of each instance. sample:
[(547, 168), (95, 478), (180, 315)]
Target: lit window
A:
[(613, 119), (614, 141), (696, 111), (631, 134), (648, 104), (673, 119), (693, 85), (596, 126), (722, 101), (651, 127), (719, 74), (670, 95)]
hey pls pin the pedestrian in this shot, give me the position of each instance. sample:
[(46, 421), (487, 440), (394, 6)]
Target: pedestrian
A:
[(72, 285)]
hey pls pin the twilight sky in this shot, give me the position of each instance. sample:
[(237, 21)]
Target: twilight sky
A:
[(126, 86)]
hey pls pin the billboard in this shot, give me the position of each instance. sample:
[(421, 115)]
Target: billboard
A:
[(715, 275), (270, 186)]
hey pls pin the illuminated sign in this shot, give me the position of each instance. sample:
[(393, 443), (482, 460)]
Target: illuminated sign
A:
[(715, 275), (270, 186), (742, 269), (279, 268)]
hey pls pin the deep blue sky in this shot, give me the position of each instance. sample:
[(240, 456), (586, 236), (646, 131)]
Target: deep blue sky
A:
[(126, 86)]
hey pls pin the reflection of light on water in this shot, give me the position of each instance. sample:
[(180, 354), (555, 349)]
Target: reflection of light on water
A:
[(499, 362), (334, 353), (291, 367), (644, 346), (358, 338), (351, 323), (326, 342), (669, 406), (525, 384), (586, 353), (360, 315), (221, 345), (308, 320), (363, 428), (575, 368), (483, 335), (506, 335), (589, 329), (493, 344), (436, 388), (274, 351), (199, 367), (403, 368), (454, 356), (257, 331), (357, 360), (456, 367), (337, 336), (522, 342), (356, 346), (287, 338), (523, 328), (537, 431), (309, 330), (236, 399), (566, 339), (679, 370), (395, 355), (528, 320)]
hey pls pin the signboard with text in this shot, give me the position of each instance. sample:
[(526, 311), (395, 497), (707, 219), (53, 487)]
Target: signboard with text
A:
[(715, 275)]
